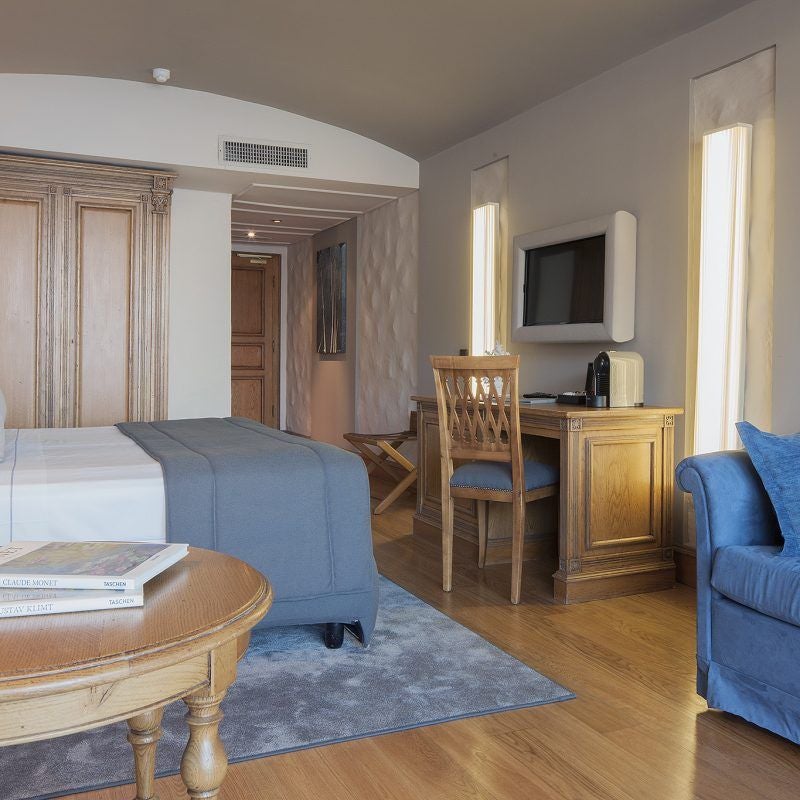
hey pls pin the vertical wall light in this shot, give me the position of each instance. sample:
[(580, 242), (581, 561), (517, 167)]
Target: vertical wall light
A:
[(724, 240), (485, 241)]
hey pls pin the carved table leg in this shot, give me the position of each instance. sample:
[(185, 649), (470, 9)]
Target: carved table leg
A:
[(144, 731), (204, 762)]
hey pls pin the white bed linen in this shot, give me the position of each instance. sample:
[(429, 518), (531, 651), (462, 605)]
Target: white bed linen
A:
[(79, 483)]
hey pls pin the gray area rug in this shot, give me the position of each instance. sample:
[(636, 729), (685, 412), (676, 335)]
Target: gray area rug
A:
[(421, 668)]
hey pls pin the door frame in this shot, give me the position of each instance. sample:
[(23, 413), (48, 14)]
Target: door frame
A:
[(283, 252)]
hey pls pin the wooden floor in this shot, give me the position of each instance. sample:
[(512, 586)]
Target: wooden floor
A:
[(636, 731)]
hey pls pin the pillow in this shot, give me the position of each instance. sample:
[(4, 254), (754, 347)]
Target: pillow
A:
[(777, 461)]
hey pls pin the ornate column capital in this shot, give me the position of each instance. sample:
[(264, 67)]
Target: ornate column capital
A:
[(162, 193)]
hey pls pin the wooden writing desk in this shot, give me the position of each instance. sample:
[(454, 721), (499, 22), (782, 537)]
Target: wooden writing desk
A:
[(614, 510)]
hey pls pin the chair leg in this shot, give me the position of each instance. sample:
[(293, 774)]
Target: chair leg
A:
[(517, 545), (483, 531), (447, 540)]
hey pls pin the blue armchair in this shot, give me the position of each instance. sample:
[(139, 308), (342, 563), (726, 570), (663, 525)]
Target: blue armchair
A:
[(748, 596)]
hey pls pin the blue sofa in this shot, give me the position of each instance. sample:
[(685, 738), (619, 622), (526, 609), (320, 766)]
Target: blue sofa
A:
[(748, 596)]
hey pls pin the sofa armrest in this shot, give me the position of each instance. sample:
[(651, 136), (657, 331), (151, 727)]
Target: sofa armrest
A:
[(730, 502), (731, 507)]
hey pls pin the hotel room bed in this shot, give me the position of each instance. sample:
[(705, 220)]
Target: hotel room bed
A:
[(295, 509), (92, 483)]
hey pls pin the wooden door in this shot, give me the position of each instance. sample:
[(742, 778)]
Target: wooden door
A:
[(83, 292), (255, 337), (105, 266), (21, 224)]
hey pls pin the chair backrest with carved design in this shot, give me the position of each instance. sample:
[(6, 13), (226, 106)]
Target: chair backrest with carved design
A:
[(478, 404)]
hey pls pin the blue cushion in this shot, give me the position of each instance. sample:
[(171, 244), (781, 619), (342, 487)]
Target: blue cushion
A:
[(496, 475), (759, 578), (777, 461)]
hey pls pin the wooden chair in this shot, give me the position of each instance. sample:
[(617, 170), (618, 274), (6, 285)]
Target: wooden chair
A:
[(478, 401), (387, 457)]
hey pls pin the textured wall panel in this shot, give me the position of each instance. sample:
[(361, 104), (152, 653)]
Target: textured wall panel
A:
[(387, 315), (299, 336)]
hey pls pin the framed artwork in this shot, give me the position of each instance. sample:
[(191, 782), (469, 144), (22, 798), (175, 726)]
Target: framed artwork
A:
[(332, 299)]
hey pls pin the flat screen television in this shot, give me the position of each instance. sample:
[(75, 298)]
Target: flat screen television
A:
[(576, 283), (564, 282)]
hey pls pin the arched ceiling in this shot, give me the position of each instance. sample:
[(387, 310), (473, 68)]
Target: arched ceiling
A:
[(416, 75)]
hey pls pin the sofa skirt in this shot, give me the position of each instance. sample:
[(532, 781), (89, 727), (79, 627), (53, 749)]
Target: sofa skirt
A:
[(754, 701), (753, 671)]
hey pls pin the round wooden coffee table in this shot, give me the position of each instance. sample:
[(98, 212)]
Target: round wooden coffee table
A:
[(66, 673)]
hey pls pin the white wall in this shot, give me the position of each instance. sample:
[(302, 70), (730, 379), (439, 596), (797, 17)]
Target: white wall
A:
[(387, 315), (200, 305), (368, 388), (130, 122), (620, 141), (320, 388), (300, 352), (127, 120), (333, 377)]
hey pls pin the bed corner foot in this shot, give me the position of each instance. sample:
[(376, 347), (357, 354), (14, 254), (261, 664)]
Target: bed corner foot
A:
[(334, 635), (356, 629)]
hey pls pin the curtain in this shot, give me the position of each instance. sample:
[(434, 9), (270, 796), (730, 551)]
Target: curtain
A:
[(740, 92), (489, 184)]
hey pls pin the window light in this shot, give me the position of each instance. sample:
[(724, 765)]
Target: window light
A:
[(724, 228), (485, 236)]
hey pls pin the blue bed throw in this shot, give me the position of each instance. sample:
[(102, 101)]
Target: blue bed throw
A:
[(296, 509)]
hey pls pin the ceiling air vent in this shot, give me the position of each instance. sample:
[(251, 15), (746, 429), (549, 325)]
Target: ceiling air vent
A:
[(249, 153)]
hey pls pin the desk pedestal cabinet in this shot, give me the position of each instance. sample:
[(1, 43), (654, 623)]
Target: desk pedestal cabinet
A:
[(614, 510)]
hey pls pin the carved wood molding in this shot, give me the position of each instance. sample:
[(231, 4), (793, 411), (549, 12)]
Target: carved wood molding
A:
[(571, 424), (161, 195), (63, 189)]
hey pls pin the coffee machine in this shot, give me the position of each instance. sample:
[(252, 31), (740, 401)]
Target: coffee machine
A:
[(619, 376)]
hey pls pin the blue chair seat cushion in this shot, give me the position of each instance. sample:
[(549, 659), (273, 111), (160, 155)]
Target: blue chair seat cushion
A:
[(759, 577), (497, 476)]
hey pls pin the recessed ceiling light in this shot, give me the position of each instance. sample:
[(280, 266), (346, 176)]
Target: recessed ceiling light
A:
[(251, 234), (277, 221), (161, 74)]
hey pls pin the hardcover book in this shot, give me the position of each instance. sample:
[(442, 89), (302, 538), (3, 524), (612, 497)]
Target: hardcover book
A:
[(119, 566), (33, 602)]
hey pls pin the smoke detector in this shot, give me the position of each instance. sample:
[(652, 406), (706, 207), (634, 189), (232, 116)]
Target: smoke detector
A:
[(161, 74)]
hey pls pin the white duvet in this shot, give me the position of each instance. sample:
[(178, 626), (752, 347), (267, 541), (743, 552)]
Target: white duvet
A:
[(79, 483)]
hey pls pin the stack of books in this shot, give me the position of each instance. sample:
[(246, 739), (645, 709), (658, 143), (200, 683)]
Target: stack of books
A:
[(56, 577)]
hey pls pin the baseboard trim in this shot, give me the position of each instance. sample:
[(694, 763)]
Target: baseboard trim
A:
[(685, 566), (584, 587)]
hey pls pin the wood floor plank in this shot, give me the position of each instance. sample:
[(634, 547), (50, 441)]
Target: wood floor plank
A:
[(492, 760), (637, 730)]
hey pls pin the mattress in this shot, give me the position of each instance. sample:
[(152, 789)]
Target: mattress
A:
[(79, 483)]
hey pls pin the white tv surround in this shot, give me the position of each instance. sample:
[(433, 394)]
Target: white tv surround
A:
[(619, 285)]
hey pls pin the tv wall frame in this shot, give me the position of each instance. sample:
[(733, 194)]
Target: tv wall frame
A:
[(619, 292)]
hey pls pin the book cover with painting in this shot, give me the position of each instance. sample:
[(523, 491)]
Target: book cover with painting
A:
[(35, 602), (119, 566)]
